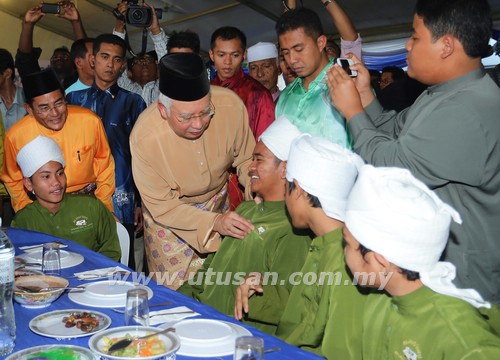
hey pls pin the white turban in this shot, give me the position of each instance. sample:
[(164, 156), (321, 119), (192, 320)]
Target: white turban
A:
[(279, 136), (37, 153), (261, 51), (394, 214), (325, 170)]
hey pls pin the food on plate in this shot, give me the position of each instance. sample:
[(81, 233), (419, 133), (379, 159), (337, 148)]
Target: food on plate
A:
[(139, 348), (84, 321), (55, 354)]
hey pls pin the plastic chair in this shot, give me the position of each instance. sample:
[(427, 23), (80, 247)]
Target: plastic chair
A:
[(124, 239)]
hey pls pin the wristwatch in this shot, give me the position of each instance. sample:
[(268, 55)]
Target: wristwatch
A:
[(327, 2)]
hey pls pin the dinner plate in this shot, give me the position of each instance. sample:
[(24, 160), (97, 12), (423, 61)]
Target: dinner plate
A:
[(68, 258), (106, 294), (208, 338), (53, 352), (51, 324)]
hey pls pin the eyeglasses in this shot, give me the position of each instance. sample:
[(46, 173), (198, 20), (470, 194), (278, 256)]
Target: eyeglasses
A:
[(143, 61), (45, 109), (205, 115)]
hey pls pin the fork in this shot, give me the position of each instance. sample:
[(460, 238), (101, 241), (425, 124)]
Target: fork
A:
[(152, 305), (97, 276)]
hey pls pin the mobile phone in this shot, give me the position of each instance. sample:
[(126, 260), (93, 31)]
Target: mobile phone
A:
[(346, 63), (48, 8)]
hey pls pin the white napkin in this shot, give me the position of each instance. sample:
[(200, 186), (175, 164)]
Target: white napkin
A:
[(162, 316), (98, 273)]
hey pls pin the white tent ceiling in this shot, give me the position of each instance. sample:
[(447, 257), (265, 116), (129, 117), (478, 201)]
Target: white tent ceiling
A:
[(374, 19)]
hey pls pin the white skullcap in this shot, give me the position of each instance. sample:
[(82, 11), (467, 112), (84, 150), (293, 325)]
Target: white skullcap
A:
[(325, 170), (394, 214), (261, 51), (37, 153), (279, 136)]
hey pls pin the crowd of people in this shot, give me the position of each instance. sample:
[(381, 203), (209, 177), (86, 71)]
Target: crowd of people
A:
[(356, 218)]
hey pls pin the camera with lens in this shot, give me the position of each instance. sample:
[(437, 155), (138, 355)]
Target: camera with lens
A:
[(137, 15)]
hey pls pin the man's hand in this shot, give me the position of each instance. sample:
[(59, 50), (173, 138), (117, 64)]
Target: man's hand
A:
[(233, 224), (249, 286), (33, 15), (69, 12), (350, 95), (138, 219), (155, 24), (120, 24)]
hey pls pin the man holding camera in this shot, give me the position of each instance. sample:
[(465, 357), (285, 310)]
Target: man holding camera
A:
[(449, 138), (27, 56), (118, 110)]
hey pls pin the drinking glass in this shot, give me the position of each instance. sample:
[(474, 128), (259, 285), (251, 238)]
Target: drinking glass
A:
[(249, 348), (137, 308), (51, 259)]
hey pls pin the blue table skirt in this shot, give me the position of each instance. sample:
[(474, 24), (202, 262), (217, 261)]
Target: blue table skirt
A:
[(26, 338)]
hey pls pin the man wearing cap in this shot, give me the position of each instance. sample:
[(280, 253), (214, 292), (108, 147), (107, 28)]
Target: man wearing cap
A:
[(182, 149), (83, 219), (450, 137), (322, 314), (263, 66), (398, 227), (273, 248), (90, 168)]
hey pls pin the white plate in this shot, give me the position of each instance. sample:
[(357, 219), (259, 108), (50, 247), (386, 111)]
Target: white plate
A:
[(207, 338), (106, 294), (51, 324), (74, 351), (68, 259)]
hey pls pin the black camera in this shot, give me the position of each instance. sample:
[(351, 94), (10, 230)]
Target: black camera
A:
[(51, 8), (137, 15)]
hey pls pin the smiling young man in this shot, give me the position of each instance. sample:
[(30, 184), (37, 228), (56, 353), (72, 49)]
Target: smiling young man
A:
[(450, 137), (78, 132), (118, 110), (182, 150), (274, 247), (83, 219)]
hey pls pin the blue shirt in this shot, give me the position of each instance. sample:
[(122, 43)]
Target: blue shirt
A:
[(312, 110), (77, 85), (16, 110), (118, 110)]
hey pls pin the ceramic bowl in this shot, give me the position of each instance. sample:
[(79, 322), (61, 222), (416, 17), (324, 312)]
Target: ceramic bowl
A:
[(98, 342), (41, 299)]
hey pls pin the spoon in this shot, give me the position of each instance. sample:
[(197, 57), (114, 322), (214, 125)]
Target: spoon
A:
[(37, 289), (122, 344)]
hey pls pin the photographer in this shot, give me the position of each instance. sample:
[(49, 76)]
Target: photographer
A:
[(147, 89), (27, 56)]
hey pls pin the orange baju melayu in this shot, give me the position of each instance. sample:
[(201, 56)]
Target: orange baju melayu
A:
[(85, 148)]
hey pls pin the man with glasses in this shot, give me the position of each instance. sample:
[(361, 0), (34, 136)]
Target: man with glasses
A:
[(182, 150), (118, 110), (78, 132)]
